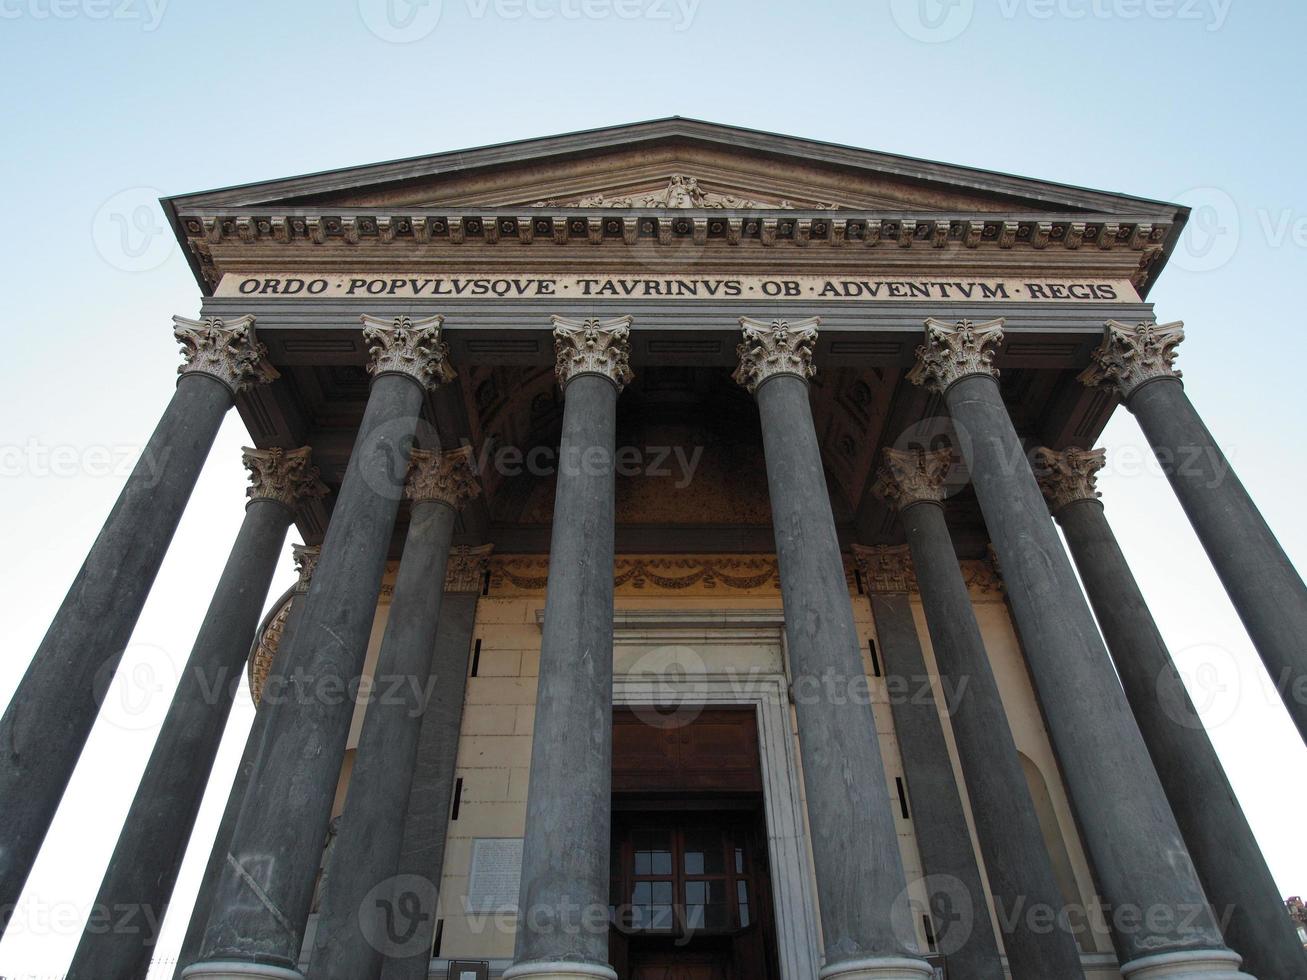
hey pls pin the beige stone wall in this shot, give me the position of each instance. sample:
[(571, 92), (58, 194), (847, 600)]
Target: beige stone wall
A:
[(495, 748)]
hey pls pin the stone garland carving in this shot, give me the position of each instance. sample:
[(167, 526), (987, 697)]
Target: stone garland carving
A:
[(682, 192), (1131, 355), (593, 347), (284, 475), (531, 573), (449, 478), (779, 347), (230, 353), (403, 345), (1070, 475), (910, 476), (956, 350)]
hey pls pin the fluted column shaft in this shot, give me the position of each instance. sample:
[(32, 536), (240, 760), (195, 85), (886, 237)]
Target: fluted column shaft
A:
[(1266, 589), (1225, 852), (266, 890), (861, 888), (153, 840), (1016, 856), (1161, 920), (55, 705), (958, 906), (306, 558), (363, 915)]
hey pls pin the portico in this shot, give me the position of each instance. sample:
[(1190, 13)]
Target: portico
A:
[(601, 422)]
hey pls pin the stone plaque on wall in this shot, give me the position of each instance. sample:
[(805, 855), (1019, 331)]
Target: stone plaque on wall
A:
[(495, 874)]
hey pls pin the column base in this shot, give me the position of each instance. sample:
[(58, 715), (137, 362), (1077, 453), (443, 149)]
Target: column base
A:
[(234, 970), (1200, 964), (559, 971), (879, 968)]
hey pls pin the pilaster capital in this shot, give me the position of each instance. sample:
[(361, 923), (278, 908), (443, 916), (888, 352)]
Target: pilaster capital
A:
[(286, 476), (886, 568), (953, 351), (467, 567), (306, 563), (779, 347), (1069, 475), (1130, 355), (593, 346), (449, 478), (913, 476), (403, 345), (228, 351)]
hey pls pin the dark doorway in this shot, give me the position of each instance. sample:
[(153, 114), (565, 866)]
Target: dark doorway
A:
[(690, 888)]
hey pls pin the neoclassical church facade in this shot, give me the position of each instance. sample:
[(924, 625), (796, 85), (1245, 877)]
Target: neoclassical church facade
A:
[(681, 594)]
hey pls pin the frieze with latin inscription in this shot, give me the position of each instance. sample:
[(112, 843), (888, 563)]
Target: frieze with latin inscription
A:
[(823, 288)]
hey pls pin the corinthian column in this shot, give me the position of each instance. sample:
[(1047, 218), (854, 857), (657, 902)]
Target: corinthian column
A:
[(52, 711), (1229, 862), (262, 900), (958, 908), (153, 841), (1016, 858), (361, 898), (861, 888), (1162, 926), (563, 908), (306, 561), (1269, 595)]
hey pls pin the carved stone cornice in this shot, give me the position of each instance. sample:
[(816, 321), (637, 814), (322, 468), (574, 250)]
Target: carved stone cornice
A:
[(449, 478), (912, 476), (1130, 355), (403, 345), (1070, 475), (286, 476), (593, 346), (638, 573), (467, 567), (229, 352), (953, 351), (885, 568), (306, 563), (779, 347)]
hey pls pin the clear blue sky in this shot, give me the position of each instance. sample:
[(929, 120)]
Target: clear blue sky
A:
[(109, 103)]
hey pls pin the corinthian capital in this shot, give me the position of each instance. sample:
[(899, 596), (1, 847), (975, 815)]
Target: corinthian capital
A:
[(229, 352), (912, 476), (1131, 355), (1070, 475), (406, 346), (306, 563), (449, 478), (953, 351), (287, 476), (885, 568), (593, 347), (779, 347)]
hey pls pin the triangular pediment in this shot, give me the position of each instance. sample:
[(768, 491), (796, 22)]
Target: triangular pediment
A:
[(671, 163)]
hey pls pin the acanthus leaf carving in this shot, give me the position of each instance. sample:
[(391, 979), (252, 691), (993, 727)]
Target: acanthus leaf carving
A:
[(953, 351), (449, 478), (1130, 355), (779, 347), (402, 345), (227, 351), (912, 476), (593, 347), (287, 476), (1069, 475)]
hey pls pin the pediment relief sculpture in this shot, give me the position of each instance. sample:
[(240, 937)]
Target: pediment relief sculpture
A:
[(682, 191)]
